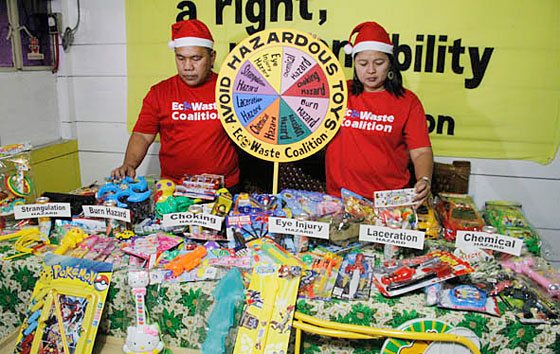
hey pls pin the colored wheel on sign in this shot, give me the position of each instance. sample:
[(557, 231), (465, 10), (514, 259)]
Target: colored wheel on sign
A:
[(281, 95), (404, 346)]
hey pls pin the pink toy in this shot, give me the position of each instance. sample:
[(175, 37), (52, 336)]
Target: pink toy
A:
[(526, 267)]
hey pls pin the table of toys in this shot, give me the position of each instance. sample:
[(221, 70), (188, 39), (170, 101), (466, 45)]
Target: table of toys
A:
[(189, 265)]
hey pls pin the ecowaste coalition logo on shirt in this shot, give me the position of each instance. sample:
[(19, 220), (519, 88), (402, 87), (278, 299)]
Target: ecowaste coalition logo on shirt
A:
[(365, 120), (193, 111)]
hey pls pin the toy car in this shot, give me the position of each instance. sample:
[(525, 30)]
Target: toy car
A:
[(458, 212), (427, 221)]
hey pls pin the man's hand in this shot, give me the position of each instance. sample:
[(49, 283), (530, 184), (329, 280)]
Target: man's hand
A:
[(422, 189), (123, 171), (136, 149)]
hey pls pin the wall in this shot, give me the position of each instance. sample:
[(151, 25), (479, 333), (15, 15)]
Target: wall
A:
[(28, 107), (93, 87)]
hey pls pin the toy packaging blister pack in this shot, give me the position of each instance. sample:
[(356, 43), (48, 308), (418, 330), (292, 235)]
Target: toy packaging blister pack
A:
[(353, 281), (266, 322), (508, 219), (311, 205), (319, 281), (463, 297), (204, 186), (152, 245), (538, 271), (530, 304), (360, 208), (66, 306), (249, 217), (395, 208), (401, 277), (16, 182)]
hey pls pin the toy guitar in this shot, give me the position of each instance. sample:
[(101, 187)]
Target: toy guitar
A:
[(142, 338)]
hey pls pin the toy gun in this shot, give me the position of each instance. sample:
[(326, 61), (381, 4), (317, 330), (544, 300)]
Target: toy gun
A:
[(186, 262), (407, 275), (525, 267)]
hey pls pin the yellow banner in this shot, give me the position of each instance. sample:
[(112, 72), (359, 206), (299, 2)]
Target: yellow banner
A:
[(487, 73)]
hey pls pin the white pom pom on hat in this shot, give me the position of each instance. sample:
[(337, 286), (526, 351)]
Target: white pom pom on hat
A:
[(189, 33), (371, 36)]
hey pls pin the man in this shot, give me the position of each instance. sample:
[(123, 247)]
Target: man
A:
[(182, 109)]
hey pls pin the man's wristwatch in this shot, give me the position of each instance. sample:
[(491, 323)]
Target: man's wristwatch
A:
[(424, 178)]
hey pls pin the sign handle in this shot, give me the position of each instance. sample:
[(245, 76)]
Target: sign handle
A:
[(275, 177)]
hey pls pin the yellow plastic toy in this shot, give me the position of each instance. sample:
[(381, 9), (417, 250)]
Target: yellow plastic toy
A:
[(165, 189), (28, 240), (71, 240), (314, 325), (23, 232)]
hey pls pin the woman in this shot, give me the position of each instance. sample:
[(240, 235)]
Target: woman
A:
[(384, 126)]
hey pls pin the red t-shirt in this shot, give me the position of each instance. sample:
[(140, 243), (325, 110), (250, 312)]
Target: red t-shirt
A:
[(192, 138), (371, 150)]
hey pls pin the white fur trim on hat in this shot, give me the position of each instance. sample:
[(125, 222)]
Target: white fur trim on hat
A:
[(191, 42), (372, 45), (348, 48)]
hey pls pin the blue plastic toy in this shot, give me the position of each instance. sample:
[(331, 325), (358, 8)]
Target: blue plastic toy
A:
[(227, 294)]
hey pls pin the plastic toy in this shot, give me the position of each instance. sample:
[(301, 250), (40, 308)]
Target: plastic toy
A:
[(65, 307), (527, 267), (528, 304), (173, 204), (127, 190), (360, 208), (8, 202), (71, 240), (458, 212), (227, 294), (29, 241), (204, 186), (152, 245), (427, 221), (124, 235), (314, 205), (508, 218), (414, 273), (467, 296), (268, 249), (143, 338), (186, 262), (164, 189), (318, 283), (19, 184), (353, 281), (395, 208), (265, 325)]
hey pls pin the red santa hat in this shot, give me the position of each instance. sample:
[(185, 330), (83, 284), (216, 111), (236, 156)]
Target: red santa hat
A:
[(371, 36), (188, 33)]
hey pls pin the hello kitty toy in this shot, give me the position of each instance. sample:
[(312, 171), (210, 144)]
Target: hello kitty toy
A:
[(142, 338)]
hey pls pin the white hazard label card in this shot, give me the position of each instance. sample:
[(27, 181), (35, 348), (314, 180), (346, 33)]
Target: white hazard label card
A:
[(397, 237), (496, 242), (187, 218), (106, 212), (299, 227), (47, 210)]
